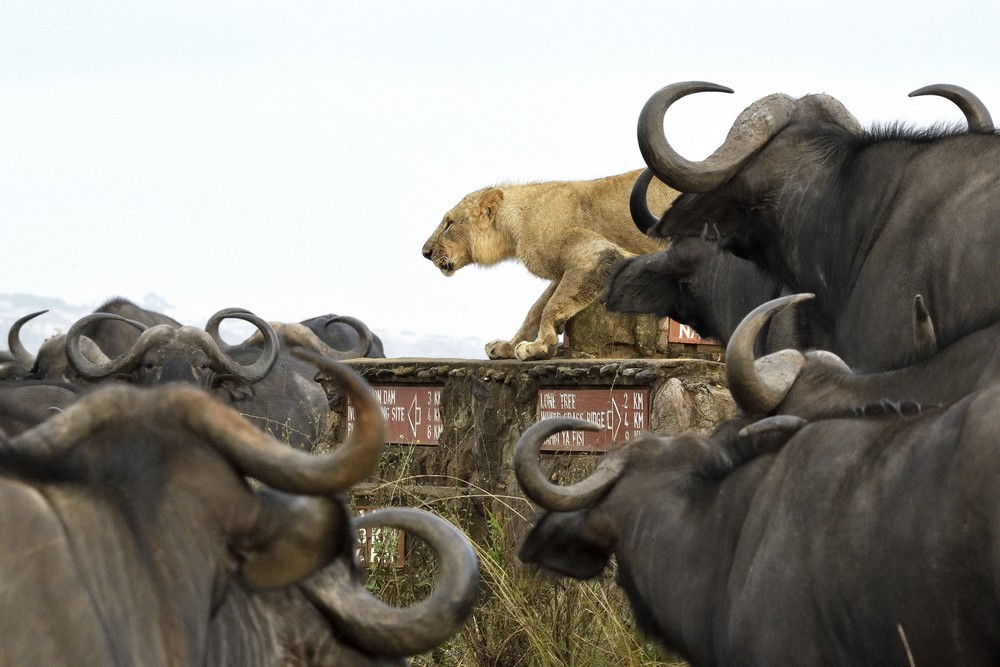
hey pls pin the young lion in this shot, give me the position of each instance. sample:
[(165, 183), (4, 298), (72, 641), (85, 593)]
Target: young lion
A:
[(570, 232)]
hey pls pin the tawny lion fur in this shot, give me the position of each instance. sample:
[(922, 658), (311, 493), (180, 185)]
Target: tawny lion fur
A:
[(570, 232)]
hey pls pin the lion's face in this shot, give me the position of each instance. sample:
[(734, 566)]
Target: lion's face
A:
[(455, 241)]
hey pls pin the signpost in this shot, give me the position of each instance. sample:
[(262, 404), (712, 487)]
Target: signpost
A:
[(380, 546), (682, 333), (412, 413), (621, 413)]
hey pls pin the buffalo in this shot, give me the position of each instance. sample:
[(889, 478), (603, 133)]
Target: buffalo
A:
[(818, 384), (341, 332), (866, 220), (99, 340), (27, 403), (269, 386), (867, 539), (699, 284), (50, 363), (137, 539)]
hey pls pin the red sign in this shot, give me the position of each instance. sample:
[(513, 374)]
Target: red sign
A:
[(412, 413), (380, 546), (682, 333), (621, 413)]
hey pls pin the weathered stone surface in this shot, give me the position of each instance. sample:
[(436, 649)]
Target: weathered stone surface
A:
[(487, 405), (596, 332)]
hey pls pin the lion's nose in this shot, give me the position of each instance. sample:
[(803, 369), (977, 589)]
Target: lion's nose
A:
[(427, 252)]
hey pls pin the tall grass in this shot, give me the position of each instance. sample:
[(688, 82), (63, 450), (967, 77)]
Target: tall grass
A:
[(522, 619)]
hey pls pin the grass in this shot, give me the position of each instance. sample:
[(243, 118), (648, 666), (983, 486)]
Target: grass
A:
[(522, 619)]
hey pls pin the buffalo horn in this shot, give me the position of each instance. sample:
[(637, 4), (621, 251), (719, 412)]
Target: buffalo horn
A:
[(551, 496), (24, 359), (296, 334), (976, 114), (385, 630), (91, 370), (776, 424), (212, 326), (759, 386), (249, 373), (256, 453), (364, 336), (638, 203), (752, 129)]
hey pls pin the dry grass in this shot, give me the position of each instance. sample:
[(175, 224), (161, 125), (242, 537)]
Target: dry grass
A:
[(522, 619)]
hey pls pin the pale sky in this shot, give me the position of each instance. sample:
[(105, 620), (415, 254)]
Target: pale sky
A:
[(292, 157)]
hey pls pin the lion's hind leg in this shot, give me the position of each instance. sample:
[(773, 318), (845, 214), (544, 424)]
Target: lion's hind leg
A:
[(578, 288)]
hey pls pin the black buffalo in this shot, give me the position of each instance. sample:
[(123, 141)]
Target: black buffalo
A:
[(136, 539), (341, 332), (866, 220), (862, 540), (26, 403), (269, 386), (817, 384), (100, 340), (699, 284), (334, 336)]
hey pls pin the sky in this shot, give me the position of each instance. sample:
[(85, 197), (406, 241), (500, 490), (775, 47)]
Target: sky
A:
[(292, 157)]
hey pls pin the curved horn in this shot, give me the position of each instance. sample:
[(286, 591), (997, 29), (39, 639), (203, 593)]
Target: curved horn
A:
[(250, 373), (777, 424), (752, 129), (924, 336), (759, 386), (90, 370), (551, 496), (255, 452), (212, 326), (384, 630), (976, 114), (26, 360), (296, 334), (364, 336), (638, 204)]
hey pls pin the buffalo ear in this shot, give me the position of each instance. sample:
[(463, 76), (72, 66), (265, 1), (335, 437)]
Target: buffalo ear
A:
[(296, 537), (567, 543), (490, 203)]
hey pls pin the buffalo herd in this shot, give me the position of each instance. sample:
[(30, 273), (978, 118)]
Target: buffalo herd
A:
[(851, 514), (163, 505)]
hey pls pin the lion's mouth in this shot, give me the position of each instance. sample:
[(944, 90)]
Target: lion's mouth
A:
[(446, 267)]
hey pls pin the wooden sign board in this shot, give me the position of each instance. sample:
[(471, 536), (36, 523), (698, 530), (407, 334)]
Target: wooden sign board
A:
[(621, 413), (682, 333), (412, 413), (380, 546)]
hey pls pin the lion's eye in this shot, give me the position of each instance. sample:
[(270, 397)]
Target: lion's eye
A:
[(447, 225)]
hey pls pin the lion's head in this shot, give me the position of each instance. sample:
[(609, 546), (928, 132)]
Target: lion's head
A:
[(468, 234)]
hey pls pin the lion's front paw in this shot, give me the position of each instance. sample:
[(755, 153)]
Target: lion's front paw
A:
[(499, 349), (531, 350)]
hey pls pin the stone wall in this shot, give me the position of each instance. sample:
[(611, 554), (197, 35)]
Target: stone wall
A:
[(485, 406), (595, 332)]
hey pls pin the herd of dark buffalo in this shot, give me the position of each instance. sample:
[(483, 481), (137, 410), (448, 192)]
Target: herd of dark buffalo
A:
[(162, 505), (131, 534), (851, 515)]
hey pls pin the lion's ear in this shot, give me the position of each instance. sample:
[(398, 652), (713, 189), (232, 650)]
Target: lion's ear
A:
[(490, 202)]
